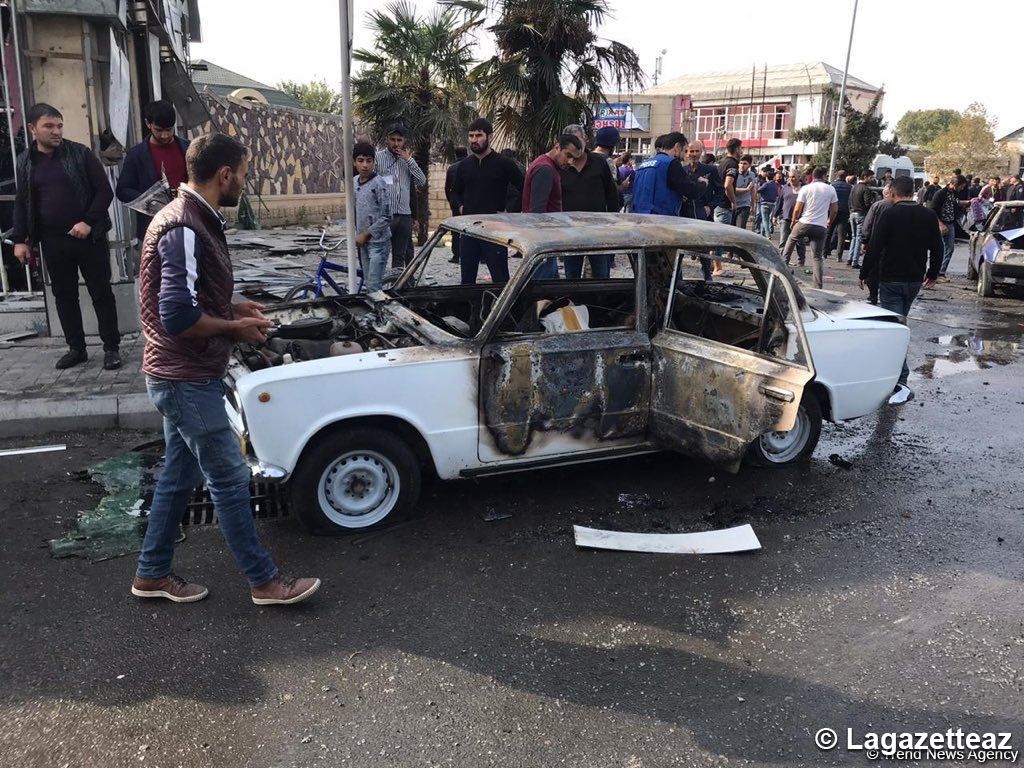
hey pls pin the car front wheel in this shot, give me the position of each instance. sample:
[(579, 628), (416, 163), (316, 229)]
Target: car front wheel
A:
[(986, 288), (354, 479), (774, 449)]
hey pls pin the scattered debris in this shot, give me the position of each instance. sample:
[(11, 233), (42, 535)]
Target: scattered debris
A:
[(738, 539), (839, 461), (491, 514), (18, 336), (33, 449)]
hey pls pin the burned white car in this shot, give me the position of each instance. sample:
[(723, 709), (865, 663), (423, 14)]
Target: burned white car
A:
[(353, 398)]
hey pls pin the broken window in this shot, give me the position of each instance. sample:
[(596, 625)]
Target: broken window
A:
[(549, 304), (750, 309)]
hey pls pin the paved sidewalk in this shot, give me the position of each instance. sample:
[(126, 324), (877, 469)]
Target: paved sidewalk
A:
[(36, 398)]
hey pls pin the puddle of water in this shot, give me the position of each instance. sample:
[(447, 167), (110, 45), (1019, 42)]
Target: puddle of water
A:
[(978, 350)]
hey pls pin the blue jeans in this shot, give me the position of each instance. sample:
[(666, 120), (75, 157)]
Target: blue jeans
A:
[(856, 222), (765, 211), (547, 269), (949, 241), (898, 298), (200, 444), (600, 265), (373, 258), (472, 251)]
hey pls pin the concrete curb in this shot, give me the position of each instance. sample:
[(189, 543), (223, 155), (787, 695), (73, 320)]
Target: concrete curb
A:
[(33, 416)]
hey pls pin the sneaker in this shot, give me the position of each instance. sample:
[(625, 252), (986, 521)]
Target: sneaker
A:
[(111, 360), (71, 358), (284, 590), (901, 395), (171, 587)]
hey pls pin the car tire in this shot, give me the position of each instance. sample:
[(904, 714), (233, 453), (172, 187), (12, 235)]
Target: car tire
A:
[(300, 292), (355, 479), (776, 449), (986, 288)]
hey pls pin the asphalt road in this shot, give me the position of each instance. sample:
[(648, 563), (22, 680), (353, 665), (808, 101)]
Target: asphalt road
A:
[(887, 597)]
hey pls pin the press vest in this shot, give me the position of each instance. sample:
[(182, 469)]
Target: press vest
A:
[(651, 193)]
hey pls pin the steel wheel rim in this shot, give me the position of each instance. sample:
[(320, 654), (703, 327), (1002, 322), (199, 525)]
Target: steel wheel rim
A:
[(358, 489), (782, 447)]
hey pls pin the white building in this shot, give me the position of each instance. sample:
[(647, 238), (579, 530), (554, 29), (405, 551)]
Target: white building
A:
[(762, 106)]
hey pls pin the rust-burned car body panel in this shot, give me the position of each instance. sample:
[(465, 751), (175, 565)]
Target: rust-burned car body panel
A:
[(598, 388)]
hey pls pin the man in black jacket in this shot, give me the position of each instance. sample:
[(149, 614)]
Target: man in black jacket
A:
[(162, 154), (449, 195), (946, 206), (907, 248), (62, 201), (862, 197), (588, 185), (481, 186)]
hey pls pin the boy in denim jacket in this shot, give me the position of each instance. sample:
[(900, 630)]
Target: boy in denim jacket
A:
[(373, 217)]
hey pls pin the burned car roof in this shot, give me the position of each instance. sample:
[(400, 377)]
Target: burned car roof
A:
[(534, 232)]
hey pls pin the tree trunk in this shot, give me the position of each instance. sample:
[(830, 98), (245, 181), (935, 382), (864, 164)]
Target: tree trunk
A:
[(422, 158)]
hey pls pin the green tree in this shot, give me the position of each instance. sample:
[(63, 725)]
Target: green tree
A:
[(549, 67), (968, 144), (316, 95), (858, 143), (892, 147), (921, 126), (416, 74)]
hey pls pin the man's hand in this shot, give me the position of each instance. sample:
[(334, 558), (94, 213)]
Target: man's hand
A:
[(943, 228), (248, 309), (703, 180), (362, 238), (405, 154), (861, 284), (707, 211), (928, 283), (81, 230), (22, 253), (251, 330)]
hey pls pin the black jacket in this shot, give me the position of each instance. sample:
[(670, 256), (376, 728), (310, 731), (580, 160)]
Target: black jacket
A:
[(481, 186), (589, 189), (139, 174), (862, 197), (89, 184), (905, 244), (449, 186)]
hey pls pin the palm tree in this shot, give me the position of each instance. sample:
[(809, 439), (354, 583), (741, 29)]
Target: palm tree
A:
[(549, 68), (417, 74)]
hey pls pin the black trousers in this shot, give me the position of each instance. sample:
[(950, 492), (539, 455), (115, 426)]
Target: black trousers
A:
[(401, 239), (65, 257), (456, 245), (838, 232)]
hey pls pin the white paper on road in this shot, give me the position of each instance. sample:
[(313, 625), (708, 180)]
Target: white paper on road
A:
[(739, 539), (33, 449)]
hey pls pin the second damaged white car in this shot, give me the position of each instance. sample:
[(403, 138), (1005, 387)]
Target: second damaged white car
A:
[(351, 399)]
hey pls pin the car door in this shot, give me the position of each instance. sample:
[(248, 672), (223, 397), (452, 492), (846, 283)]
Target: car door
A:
[(713, 399), (548, 393)]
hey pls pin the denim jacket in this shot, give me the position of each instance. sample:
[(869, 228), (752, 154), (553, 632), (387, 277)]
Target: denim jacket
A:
[(373, 208)]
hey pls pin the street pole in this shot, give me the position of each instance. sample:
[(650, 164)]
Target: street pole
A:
[(842, 97), (345, 17)]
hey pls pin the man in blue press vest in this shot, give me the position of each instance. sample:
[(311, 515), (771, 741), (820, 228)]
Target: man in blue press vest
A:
[(660, 182)]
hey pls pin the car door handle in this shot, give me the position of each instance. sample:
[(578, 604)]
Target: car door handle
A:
[(777, 393)]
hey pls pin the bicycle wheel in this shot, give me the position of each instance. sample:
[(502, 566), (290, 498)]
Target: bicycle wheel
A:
[(301, 292)]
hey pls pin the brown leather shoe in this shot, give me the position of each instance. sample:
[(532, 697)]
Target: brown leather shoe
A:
[(284, 590), (172, 587)]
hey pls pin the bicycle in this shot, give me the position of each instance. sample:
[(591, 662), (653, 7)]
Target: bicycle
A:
[(314, 287)]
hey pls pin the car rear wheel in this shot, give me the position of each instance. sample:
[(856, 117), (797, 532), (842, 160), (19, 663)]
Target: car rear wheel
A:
[(355, 479), (986, 288), (774, 449)]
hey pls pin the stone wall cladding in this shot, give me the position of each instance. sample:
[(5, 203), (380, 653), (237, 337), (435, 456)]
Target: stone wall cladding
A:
[(293, 152)]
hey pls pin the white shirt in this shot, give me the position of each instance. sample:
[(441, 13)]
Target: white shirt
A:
[(816, 198)]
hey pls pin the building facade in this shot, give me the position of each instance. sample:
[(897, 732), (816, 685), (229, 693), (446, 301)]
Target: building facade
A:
[(763, 106)]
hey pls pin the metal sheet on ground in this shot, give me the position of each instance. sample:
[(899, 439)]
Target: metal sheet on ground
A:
[(738, 539)]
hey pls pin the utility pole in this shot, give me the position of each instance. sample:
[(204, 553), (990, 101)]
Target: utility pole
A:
[(657, 64), (345, 17), (842, 97)]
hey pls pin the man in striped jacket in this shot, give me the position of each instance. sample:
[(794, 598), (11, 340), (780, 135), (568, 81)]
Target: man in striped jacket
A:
[(400, 171)]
